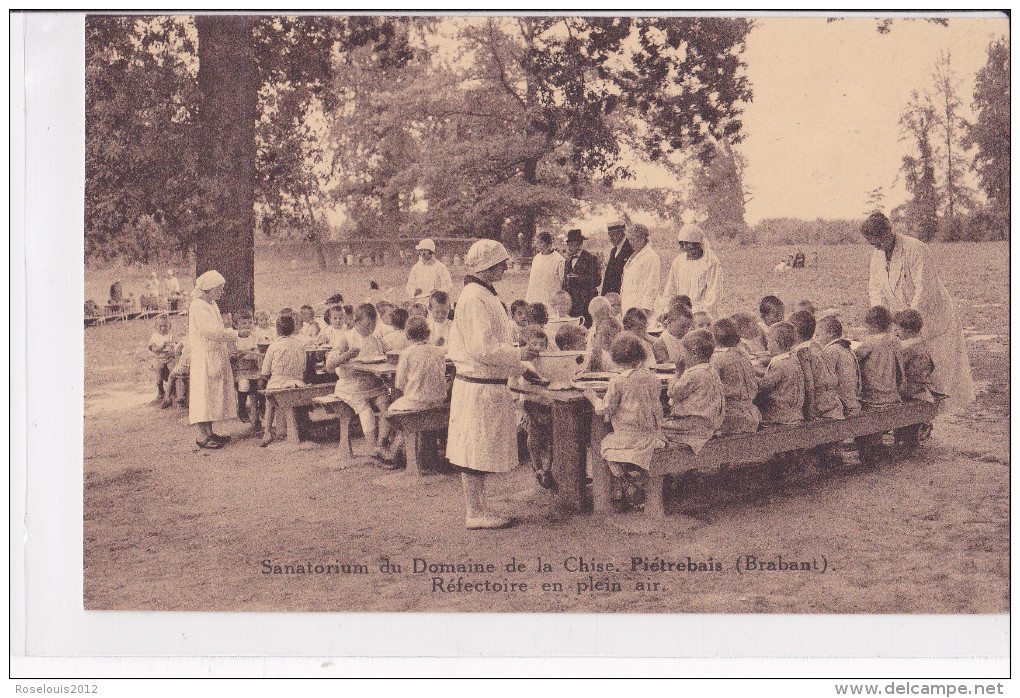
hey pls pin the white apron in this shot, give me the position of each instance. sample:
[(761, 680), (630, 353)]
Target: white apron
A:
[(211, 394), (700, 280), (483, 417), (910, 280)]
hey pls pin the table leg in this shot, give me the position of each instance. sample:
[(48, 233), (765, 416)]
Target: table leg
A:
[(601, 480), (653, 498), (568, 451), (346, 452)]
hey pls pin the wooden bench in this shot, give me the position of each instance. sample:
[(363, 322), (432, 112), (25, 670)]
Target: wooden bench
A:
[(418, 428), (335, 406), (759, 446), (295, 403)]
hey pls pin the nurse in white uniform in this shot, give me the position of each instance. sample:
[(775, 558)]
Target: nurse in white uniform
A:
[(212, 396)]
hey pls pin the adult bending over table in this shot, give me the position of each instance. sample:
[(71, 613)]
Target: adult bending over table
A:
[(903, 276), (695, 272), (483, 423), (212, 395)]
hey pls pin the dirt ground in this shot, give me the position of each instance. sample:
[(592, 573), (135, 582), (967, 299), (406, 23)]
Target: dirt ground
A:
[(168, 526)]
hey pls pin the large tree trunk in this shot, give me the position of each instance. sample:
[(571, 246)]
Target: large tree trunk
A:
[(228, 84)]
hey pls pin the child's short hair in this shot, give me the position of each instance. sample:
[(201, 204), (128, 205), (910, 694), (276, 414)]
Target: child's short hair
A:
[(535, 332), (544, 237), (614, 298), (287, 311), (309, 308), (261, 314), (571, 337), (398, 318), (771, 306), (724, 330), (418, 310), (517, 305), (910, 320), (244, 314), (285, 325), (599, 304), (785, 335), (804, 322), (537, 314), (747, 324), (417, 329), (349, 310), (830, 324), (878, 317), (699, 344), (440, 297), (383, 310), (330, 312), (608, 330), (702, 316), (635, 320), (681, 300), (806, 305), (366, 311), (627, 349)]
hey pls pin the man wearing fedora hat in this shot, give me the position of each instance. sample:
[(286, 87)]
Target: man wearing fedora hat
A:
[(582, 273), (428, 274), (618, 256)]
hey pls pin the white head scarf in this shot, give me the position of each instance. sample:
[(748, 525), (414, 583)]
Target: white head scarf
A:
[(207, 281), (484, 254)]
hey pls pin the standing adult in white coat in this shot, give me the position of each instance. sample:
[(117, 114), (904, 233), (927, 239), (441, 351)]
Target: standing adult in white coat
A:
[(483, 423), (547, 272), (903, 275), (640, 285), (428, 274), (695, 272), (212, 396)]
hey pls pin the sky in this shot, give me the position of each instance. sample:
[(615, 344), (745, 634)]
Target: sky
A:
[(822, 130)]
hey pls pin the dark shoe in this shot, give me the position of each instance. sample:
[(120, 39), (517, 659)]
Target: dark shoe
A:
[(220, 438), (210, 443)]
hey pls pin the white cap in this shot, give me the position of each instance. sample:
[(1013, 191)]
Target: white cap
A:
[(484, 254), (426, 244), (690, 232), (209, 280)]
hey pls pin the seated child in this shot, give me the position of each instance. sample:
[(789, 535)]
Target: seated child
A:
[(633, 406), (696, 396), (668, 348), (439, 318), (820, 383), (752, 338), (805, 305), (605, 333), (560, 306), (599, 310), (781, 393), (636, 322), (383, 309), (360, 390), (519, 311), (248, 346), (421, 371), (616, 304), (283, 367), (917, 367), (771, 310), (161, 344), (571, 338), (418, 310), (335, 330), (740, 384), (396, 339), (312, 326), (842, 362), (702, 320), (228, 320), (264, 333), (880, 369), (538, 315), (349, 317)]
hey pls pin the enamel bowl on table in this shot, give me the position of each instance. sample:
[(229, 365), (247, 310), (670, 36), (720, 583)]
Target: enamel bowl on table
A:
[(560, 367)]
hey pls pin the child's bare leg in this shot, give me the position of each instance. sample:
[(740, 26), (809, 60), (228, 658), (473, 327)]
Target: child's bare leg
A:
[(368, 427), (382, 403), (267, 436)]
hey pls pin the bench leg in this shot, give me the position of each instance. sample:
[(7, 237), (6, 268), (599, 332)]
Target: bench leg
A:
[(601, 480), (292, 425), (653, 497)]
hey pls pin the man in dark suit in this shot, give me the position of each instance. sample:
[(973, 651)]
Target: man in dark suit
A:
[(582, 273), (618, 256)]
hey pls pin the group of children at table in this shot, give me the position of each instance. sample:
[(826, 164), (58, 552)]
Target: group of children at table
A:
[(365, 332), (731, 375)]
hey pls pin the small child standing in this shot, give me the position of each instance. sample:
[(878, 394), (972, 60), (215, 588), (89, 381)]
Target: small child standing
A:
[(880, 369), (740, 384), (917, 366), (249, 358), (842, 362), (179, 375), (363, 392), (283, 367), (696, 396), (633, 406), (781, 394), (668, 348), (820, 397), (161, 344), (439, 318)]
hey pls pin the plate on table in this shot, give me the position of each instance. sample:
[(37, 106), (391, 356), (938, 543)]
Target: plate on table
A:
[(599, 386), (376, 360), (664, 368), (595, 376)]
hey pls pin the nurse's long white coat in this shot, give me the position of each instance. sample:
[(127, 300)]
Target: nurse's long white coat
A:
[(483, 418), (212, 396), (910, 280)]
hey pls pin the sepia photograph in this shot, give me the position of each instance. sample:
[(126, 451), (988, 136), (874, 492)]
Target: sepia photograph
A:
[(546, 313)]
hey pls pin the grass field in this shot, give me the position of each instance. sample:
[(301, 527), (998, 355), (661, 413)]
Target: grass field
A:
[(168, 527)]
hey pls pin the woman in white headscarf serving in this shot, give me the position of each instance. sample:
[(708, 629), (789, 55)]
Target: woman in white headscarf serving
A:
[(483, 422), (212, 395), (903, 276), (695, 272)]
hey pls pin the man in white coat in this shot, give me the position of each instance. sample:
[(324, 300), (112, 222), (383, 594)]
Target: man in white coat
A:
[(483, 420), (212, 396), (546, 272), (695, 272), (903, 275), (428, 274), (640, 285)]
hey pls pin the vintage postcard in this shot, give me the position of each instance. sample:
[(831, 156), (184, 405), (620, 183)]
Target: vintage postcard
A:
[(545, 314)]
